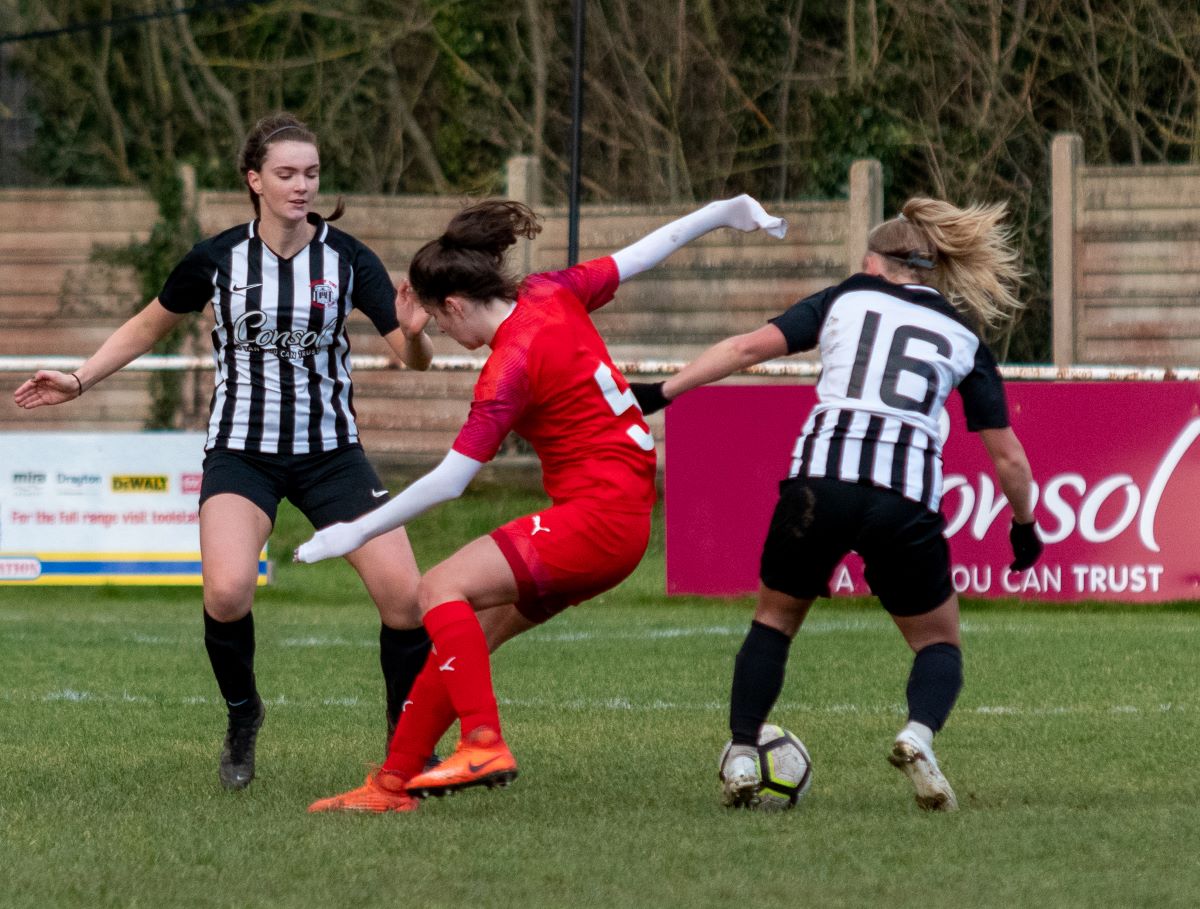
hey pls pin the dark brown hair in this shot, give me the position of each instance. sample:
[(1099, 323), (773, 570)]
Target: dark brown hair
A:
[(277, 127), (468, 259)]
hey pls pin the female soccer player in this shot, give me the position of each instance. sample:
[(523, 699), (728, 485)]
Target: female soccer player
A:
[(282, 422), (895, 340), (549, 378)]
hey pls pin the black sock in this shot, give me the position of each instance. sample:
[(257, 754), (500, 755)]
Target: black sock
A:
[(402, 653), (757, 681), (934, 683), (230, 647)]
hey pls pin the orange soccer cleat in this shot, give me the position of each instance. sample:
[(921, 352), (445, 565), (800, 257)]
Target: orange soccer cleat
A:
[(481, 759), (382, 792)]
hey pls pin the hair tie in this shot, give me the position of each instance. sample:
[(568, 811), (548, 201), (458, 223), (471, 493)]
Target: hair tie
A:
[(910, 259), (272, 135), (900, 217)]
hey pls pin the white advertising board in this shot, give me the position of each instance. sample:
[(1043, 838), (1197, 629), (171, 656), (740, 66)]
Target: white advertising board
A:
[(101, 508)]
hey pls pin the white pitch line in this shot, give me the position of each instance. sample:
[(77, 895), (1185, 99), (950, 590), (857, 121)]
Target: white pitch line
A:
[(611, 704)]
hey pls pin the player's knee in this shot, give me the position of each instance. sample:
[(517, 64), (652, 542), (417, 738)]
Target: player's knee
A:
[(398, 609), (227, 599), (434, 589)]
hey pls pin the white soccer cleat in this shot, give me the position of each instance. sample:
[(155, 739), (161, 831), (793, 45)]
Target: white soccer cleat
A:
[(920, 765), (740, 778)]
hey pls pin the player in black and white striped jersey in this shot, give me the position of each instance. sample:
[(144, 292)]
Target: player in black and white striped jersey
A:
[(880, 400), (282, 424), (866, 474)]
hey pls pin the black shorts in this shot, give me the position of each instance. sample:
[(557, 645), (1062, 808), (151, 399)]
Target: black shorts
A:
[(327, 486), (817, 521)]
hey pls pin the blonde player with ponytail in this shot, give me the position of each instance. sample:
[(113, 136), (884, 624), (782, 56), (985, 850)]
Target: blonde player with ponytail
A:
[(894, 340)]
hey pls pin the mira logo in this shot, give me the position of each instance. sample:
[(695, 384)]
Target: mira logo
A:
[(28, 482), (135, 483)]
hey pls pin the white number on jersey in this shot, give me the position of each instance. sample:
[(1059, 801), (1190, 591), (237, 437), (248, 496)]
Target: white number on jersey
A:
[(621, 401)]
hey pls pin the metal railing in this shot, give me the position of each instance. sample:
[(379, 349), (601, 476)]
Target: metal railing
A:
[(644, 367)]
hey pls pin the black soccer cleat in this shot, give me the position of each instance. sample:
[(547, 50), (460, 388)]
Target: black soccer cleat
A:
[(236, 768)]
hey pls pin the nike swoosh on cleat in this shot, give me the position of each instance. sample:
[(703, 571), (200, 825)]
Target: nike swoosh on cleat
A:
[(378, 493), (475, 768)]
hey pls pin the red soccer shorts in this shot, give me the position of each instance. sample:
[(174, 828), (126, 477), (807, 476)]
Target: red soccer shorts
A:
[(570, 553)]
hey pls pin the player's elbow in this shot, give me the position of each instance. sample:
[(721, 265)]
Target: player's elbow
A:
[(752, 348)]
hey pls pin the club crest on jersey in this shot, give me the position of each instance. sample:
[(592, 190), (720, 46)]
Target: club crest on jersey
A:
[(324, 293)]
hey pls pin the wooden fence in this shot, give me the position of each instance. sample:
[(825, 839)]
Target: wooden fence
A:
[(55, 300), (1126, 261)]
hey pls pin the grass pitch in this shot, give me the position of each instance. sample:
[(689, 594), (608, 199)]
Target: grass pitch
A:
[(1072, 752)]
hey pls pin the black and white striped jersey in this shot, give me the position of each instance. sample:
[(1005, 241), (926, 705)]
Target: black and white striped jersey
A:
[(890, 356), (280, 344)]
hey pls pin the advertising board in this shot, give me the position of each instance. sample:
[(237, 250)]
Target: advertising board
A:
[(101, 508), (1117, 469)]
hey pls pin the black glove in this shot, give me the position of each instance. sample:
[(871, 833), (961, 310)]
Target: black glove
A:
[(649, 396), (1026, 546)]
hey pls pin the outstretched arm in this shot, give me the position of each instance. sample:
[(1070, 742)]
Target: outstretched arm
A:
[(446, 481), (742, 213), (136, 337), (722, 359)]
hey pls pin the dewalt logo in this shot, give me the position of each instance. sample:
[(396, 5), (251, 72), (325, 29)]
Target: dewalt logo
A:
[(133, 483)]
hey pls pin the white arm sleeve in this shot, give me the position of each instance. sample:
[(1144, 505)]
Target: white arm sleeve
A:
[(446, 481), (743, 213)]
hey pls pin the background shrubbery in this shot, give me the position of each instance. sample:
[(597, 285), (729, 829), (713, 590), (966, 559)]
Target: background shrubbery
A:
[(686, 100)]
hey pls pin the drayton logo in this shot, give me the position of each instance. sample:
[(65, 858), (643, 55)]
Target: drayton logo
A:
[(78, 483), (139, 483)]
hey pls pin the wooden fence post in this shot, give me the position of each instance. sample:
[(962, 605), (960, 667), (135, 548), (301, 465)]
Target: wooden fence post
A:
[(865, 209), (1066, 153), (523, 176), (187, 176)]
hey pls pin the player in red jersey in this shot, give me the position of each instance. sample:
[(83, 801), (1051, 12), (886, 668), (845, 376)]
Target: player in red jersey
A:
[(550, 379)]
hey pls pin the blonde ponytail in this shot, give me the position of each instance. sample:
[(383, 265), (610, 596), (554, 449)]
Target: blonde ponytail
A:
[(974, 262)]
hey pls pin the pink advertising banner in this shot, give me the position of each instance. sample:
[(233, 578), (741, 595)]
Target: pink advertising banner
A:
[(1117, 470)]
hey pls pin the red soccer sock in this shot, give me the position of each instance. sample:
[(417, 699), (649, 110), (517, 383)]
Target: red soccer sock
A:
[(426, 715), (460, 656)]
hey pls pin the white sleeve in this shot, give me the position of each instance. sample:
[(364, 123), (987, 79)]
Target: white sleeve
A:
[(446, 481), (743, 213)]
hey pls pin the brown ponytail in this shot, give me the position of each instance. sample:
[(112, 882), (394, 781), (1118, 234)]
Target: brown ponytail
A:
[(468, 259)]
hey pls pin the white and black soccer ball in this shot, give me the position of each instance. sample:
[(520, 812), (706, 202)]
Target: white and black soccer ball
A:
[(783, 765)]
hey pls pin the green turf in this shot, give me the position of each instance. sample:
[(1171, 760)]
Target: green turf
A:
[(1072, 752)]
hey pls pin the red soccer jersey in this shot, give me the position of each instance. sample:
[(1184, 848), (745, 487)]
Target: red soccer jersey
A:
[(550, 379)]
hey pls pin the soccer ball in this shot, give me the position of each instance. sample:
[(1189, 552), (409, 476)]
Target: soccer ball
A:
[(783, 765)]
